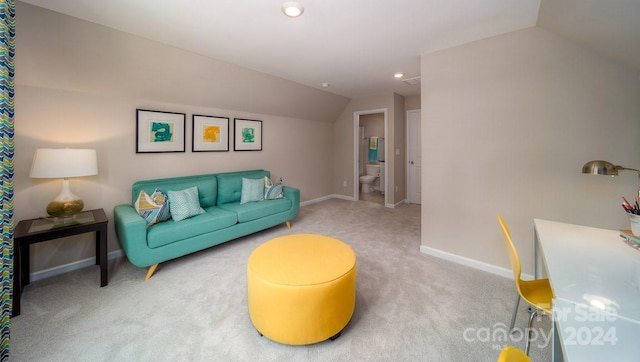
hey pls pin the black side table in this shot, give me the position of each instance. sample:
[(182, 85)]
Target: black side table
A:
[(33, 231)]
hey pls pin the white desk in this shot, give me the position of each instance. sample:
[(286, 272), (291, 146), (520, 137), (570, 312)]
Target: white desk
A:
[(595, 277)]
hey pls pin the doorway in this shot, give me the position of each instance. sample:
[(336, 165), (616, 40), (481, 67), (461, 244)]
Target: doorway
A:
[(367, 125)]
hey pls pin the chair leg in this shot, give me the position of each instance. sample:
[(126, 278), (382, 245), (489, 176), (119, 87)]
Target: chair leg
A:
[(515, 313), (528, 331)]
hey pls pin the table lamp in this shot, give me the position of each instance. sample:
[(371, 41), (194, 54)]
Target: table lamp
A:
[(64, 163), (599, 167)]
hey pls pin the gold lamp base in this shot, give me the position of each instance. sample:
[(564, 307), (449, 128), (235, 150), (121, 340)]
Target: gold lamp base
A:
[(66, 204), (64, 208)]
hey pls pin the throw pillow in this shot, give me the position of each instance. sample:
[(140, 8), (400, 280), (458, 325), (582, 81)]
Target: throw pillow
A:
[(272, 191), (252, 190), (153, 208), (161, 198), (184, 203)]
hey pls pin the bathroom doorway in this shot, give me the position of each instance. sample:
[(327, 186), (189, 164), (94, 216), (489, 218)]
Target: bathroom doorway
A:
[(370, 145)]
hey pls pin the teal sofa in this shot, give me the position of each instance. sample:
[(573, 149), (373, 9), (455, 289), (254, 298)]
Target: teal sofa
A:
[(225, 218)]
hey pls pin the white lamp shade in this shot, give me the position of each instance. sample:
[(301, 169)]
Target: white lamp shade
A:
[(64, 162)]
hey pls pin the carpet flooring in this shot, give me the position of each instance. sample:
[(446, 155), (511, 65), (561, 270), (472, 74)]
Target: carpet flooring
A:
[(409, 306)]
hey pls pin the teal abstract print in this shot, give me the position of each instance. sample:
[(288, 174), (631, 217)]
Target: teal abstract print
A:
[(7, 68), (248, 135), (161, 132)]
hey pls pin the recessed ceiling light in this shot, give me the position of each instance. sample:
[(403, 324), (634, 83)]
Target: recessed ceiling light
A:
[(325, 85), (398, 75), (292, 9)]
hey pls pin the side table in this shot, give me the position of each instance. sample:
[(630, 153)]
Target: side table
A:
[(33, 231)]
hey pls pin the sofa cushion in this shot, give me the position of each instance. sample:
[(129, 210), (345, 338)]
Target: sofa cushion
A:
[(256, 210), (184, 203), (170, 231), (252, 190), (230, 184)]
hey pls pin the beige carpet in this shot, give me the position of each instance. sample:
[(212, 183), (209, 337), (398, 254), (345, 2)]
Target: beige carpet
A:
[(409, 306)]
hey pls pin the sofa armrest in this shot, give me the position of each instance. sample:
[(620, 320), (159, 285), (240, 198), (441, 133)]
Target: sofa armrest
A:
[(292, 194), (131, 230)]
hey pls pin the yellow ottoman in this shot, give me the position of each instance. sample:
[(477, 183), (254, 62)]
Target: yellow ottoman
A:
[(301, 288)]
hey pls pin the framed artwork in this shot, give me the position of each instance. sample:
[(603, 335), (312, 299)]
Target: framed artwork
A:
[(248, 135), (159, 131), (209, 134)]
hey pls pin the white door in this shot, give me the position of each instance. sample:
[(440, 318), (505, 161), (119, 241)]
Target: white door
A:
[(414, 159)]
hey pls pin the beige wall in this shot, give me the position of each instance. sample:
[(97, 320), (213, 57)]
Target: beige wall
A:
[(61, 52), (507, 124), (373, 124), (412, 102), (79, 84)]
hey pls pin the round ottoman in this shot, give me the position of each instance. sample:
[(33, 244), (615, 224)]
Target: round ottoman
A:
[(301, 288)]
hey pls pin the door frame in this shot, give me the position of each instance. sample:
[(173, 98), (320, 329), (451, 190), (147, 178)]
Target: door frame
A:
[(407, 178), (356, 142)]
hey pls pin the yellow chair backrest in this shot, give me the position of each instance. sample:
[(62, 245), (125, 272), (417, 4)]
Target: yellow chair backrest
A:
[(513, 253)]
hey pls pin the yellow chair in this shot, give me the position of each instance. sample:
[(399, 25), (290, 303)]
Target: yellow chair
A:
[(537, 293), (513, 354)]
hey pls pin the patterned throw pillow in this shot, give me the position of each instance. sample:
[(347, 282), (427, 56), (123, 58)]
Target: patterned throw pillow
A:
[(272, 191), (251, 190), (153, 208), (185, 203), (162, 199)]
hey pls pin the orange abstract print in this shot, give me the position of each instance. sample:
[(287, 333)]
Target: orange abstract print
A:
[(211, 134)]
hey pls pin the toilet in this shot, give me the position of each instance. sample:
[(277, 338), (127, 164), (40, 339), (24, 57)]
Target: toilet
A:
[(366, 181)]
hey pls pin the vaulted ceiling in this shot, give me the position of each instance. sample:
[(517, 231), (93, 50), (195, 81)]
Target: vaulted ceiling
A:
[(356, 46)]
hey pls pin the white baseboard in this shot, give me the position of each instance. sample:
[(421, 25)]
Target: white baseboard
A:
[(61, 269), (324, 198), (320, 199), (503, 272), (393, 206), (343, 197)]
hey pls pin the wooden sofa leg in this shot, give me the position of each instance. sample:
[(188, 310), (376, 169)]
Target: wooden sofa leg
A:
[(288, 223), (150, 272)]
